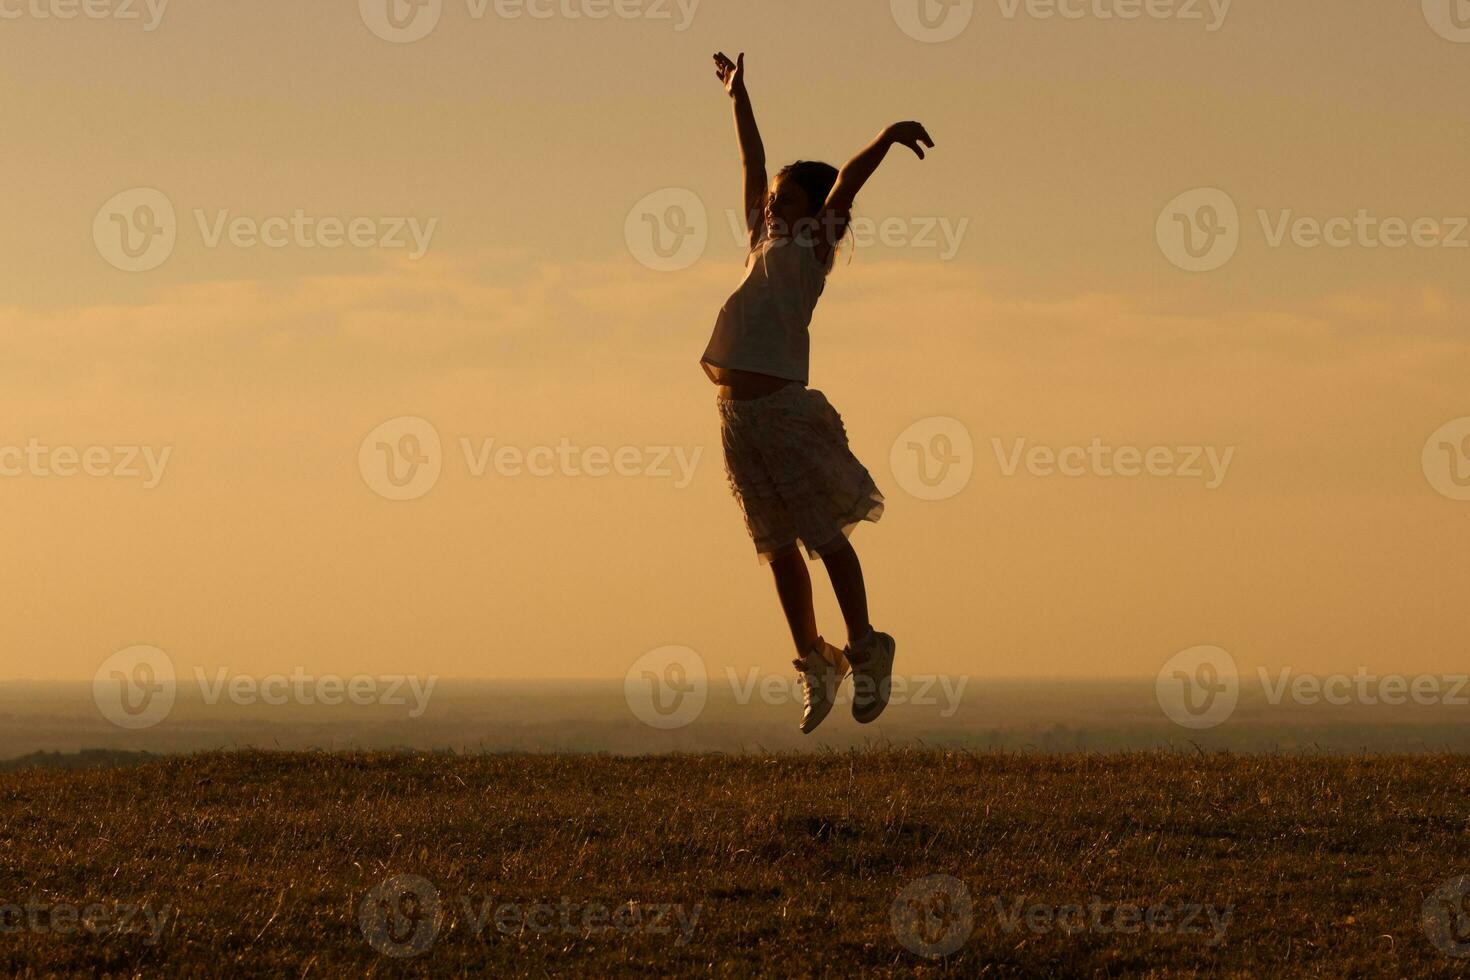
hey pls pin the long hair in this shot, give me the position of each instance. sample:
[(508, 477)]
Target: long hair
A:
[(816, 179)]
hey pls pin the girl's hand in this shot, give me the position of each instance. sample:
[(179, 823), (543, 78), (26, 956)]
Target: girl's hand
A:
[(731, 74), (912, 135)]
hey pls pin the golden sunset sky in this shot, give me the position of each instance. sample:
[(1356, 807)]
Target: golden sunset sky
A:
[(533, 317)]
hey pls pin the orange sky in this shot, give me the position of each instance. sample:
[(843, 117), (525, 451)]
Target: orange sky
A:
[(1047, 310)]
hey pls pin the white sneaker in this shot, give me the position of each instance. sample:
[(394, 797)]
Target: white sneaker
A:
[(820, 677), (872, 675)]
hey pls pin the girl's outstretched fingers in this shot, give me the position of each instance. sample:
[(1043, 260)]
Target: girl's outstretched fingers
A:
[(730, 73), (912, 135)]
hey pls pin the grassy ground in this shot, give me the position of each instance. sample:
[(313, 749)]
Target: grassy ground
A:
[(331, 865)]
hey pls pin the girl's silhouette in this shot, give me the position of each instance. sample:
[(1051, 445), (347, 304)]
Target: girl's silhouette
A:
[(786, 450)]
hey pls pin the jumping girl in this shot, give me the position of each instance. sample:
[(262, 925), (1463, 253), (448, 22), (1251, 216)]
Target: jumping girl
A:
[(786, 450)]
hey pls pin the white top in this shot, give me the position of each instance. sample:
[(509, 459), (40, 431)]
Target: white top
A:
[(763, 325)]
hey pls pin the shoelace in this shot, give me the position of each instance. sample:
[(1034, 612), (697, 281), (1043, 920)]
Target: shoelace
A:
[(810, 680)]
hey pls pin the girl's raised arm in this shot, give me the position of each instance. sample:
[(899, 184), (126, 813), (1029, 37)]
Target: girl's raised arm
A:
[(833, 219), (752, 151)]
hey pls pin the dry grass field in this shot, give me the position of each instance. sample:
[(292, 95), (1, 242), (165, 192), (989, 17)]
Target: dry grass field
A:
[(864, 863)]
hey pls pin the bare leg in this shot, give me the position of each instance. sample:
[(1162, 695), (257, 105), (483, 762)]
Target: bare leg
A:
[(794, 586), (846, 573)]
